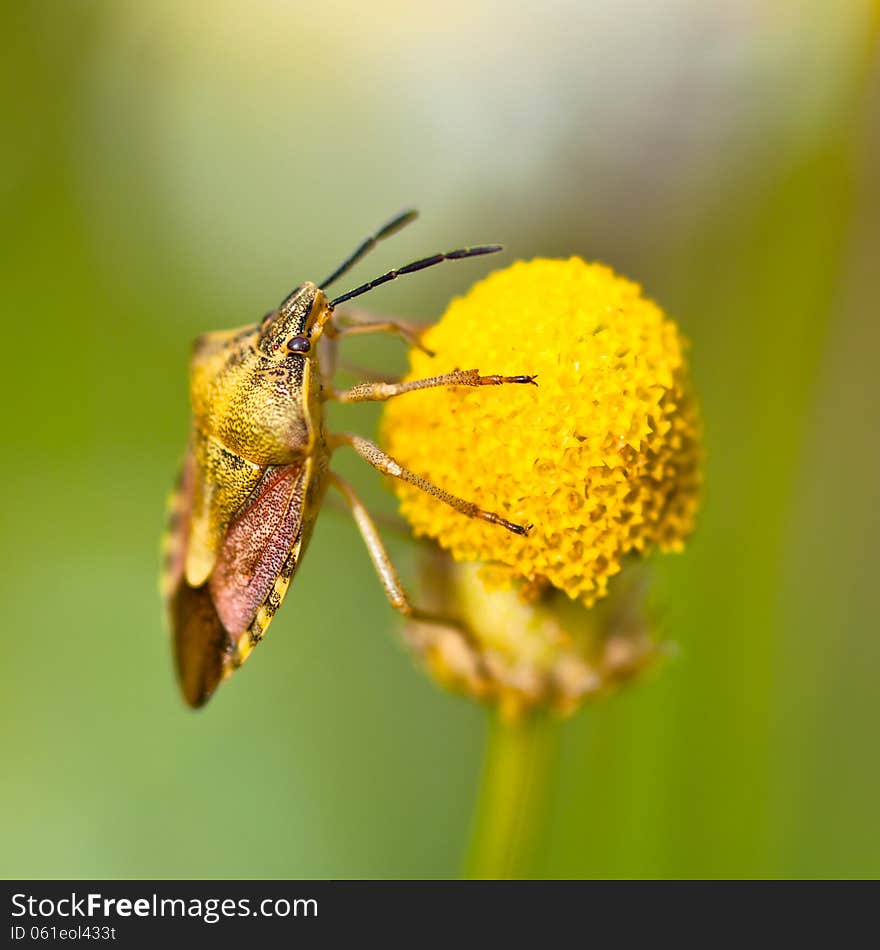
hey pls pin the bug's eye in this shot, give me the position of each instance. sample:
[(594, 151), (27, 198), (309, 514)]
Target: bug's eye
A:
[(299, 344)]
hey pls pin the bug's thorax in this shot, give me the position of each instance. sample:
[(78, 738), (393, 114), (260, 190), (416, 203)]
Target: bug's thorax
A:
[(255, 397)]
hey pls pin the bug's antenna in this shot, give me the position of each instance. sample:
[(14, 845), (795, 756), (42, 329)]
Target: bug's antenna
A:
[(458, 255), (392, 227)]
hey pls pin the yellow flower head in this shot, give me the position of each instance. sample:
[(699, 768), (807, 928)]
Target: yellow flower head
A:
[(602, 458)]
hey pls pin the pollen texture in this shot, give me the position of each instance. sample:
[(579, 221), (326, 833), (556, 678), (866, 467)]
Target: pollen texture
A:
[(601, 458)]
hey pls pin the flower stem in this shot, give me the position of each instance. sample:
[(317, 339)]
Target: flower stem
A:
[(519, 778)]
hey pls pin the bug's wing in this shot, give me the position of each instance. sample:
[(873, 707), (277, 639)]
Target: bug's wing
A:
[(216, 624), (202, 647), (199, 641), (223, 485), (256, 546)]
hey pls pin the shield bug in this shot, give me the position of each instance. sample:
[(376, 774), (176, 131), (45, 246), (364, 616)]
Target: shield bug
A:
[(258, 465)]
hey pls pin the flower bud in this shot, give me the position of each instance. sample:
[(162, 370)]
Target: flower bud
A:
[(602, 458)]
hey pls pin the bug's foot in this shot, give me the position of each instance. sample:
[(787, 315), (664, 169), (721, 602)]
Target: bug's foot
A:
[(500, 380), (512, 526)]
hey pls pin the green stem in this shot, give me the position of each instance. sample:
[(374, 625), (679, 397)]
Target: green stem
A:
[(519, 778)]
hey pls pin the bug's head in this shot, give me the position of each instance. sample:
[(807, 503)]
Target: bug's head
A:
[(295, 327)]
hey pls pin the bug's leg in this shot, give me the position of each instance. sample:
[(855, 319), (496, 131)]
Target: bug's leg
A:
[(359, 322), (387, 524), (371, 453), (378, 391), (382, 561)]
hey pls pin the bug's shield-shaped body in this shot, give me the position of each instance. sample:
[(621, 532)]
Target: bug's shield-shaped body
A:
[(248, 494)]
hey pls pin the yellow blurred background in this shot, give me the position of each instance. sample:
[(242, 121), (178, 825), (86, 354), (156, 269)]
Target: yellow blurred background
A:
[(173, 168)]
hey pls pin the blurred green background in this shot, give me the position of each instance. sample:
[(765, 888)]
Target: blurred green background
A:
[(172, 168)]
